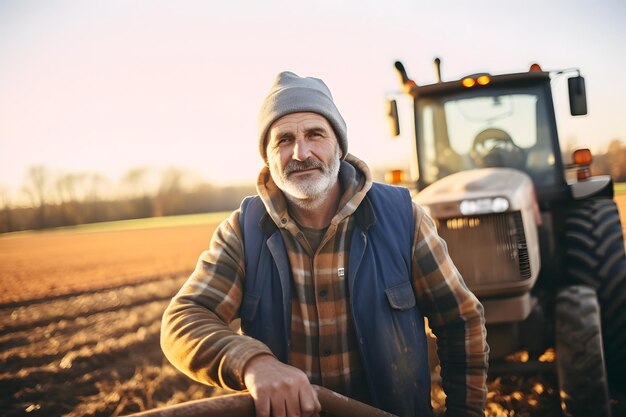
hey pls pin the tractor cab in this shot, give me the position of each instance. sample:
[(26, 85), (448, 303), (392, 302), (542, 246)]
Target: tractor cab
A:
[(485, 121)]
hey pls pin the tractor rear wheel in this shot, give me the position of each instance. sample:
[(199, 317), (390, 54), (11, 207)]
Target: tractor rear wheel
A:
[(579, 356), (594, 256)]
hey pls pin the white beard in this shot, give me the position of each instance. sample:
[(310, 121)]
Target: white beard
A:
[(308, 193)]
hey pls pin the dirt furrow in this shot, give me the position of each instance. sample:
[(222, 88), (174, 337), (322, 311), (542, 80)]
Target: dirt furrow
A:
[(44, 347), (42, 313), (78, 372), (102, 353)]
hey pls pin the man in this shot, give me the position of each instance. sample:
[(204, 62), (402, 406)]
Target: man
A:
[(331, 275)]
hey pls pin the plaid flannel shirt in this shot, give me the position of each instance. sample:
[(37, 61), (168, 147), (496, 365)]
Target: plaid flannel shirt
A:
[(196, 337)]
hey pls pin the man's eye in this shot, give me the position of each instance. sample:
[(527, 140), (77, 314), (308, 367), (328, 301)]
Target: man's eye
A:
[(284, 140)]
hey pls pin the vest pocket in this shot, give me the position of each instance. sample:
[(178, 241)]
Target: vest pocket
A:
[(401, 296), (249, 307)]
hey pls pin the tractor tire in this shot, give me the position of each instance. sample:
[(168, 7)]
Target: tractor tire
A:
[(594, 256), (579, 355)]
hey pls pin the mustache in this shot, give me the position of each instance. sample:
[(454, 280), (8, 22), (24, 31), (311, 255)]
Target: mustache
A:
[(309, 163)]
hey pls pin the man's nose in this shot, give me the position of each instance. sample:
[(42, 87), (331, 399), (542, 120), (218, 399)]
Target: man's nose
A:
[(301, 150)]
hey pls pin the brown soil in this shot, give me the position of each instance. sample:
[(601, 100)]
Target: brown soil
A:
[(80, 318), (93, 354), (39, 265)]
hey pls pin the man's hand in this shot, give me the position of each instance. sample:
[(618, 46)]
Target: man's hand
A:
[(279, 390)]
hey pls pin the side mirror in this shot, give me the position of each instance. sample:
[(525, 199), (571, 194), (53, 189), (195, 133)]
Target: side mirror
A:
[(577, 96), (392, 116)]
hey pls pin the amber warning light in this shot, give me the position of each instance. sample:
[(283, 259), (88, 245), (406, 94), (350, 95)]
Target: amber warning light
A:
[(469, 82), (483, 80), (582, 158), (395, 176)]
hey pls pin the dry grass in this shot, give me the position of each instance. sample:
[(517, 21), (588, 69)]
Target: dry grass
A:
[(620, 200)]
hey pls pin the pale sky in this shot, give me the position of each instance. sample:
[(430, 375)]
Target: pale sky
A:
[(110, 85)]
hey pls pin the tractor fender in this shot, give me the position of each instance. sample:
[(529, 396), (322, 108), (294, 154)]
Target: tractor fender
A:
[(600, 185)]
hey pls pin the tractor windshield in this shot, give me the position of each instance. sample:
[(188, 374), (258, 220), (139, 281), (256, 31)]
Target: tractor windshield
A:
[(486, 128)]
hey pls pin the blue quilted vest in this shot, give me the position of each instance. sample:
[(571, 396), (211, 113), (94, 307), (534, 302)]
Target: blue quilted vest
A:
[(389, 326)]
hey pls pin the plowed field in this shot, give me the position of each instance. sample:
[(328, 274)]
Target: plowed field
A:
[(79, 324), (48, 264), (79, 320)]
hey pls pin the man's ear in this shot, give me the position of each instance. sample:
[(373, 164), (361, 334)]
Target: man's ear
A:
[(265, 144)]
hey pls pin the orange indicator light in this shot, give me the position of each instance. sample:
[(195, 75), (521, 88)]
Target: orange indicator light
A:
[(468, 82), (395, 176), (582, 157), (483, 80)]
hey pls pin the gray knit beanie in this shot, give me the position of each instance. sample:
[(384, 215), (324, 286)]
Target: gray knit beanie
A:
[(292, 94)]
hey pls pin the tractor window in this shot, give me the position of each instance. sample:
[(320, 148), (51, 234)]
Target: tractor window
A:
[(511, 113), (491, 128)]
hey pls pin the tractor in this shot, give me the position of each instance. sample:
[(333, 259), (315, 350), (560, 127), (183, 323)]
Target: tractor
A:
[(539, 241)]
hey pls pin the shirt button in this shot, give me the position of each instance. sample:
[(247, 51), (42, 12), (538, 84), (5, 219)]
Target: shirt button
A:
[(327, 352), (323, 293), (283, 220)]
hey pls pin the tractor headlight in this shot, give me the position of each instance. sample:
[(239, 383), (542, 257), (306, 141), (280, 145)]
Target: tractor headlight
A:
[(484, 205)]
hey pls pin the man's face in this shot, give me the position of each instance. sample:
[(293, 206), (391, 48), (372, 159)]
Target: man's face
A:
[(303, 155)]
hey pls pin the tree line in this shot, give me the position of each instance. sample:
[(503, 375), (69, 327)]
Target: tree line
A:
[(612, 163), (67, 199)]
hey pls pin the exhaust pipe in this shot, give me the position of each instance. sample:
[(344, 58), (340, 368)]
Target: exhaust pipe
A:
[(438, 69)]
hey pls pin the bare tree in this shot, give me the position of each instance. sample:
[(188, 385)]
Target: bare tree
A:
[(5, 213), (135, 182), (95, 187), (169, 196), (67, 188), (36, 187), (72, 198), (617, 160)]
